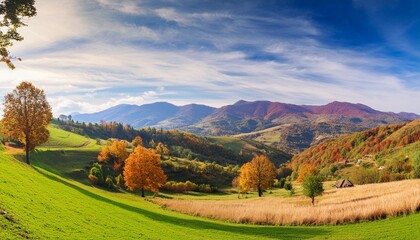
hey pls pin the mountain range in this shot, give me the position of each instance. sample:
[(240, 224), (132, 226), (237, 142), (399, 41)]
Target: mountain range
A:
[(289, 127)]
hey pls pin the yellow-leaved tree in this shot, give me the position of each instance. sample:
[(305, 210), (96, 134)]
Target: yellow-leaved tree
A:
[(26, 116), (115, 154), (258, 174), (142, 171), (162, 149), (137, 141)]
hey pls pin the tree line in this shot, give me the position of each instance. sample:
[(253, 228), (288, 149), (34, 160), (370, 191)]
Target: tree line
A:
[(180, 144)]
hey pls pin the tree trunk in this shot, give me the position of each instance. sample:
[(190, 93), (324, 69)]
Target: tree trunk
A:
[(313, 200), (27, 150), (142, 192), (259, 192)]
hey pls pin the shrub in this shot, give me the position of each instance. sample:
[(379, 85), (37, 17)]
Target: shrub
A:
[(276, 183), (292, 191), (288, 186), (190, 186), (97, 173), (179, 187), (206, 188), (93, 179), (281, 182), (364, 176), (109, 183), (294, 175), (416, 165), (119, 180)]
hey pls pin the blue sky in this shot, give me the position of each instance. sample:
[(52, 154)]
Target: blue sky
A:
[(91, 55)]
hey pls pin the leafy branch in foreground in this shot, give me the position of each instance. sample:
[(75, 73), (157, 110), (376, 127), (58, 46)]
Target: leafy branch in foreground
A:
[(12, 13)]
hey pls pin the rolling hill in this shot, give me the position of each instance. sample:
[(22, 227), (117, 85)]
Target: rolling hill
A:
[(392, 146), (181, 144), (198, 159)]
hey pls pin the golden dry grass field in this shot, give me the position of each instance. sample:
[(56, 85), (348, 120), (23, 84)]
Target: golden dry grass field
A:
[(336, 206)]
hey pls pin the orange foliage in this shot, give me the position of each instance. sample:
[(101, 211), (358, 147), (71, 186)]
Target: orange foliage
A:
[(258, 174), (356, 145), (26, 116), (348, 145), (142, 171), (162, 149), (306, 170), (116, 154)]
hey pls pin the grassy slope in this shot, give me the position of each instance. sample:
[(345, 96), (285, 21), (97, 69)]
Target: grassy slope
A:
[(66, 154), (408, 151), (403, 152), (235, 144), (45, 205), (64, 139), (41, 204), (267, 136), (250, 146)]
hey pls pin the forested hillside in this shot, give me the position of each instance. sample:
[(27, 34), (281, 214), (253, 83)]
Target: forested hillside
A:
[(394, 147), (181, 144)]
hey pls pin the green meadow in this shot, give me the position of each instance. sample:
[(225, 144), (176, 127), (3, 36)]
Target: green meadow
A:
[(53, 200)]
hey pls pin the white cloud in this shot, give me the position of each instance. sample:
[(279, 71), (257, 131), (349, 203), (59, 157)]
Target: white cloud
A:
[(190, 19), (124, 6), (291, 81), (171, 15), (55, 21)]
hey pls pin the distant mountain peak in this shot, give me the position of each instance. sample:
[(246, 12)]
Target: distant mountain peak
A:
[(241, 117), (344, 108), (409, 116), (240, 102)]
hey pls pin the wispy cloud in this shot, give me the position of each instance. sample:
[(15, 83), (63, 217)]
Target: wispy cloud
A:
[(124, 6), (114, 52)]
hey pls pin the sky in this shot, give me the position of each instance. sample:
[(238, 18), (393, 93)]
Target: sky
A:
[(92, 55)]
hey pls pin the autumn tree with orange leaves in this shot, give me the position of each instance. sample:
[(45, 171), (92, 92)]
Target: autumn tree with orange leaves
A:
[(115, 154), (306, 170), (142, 171), (26, 116), (258, 174)]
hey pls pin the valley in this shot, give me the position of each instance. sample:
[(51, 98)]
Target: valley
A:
[(288, 127), (49, 201), (171, 119)]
